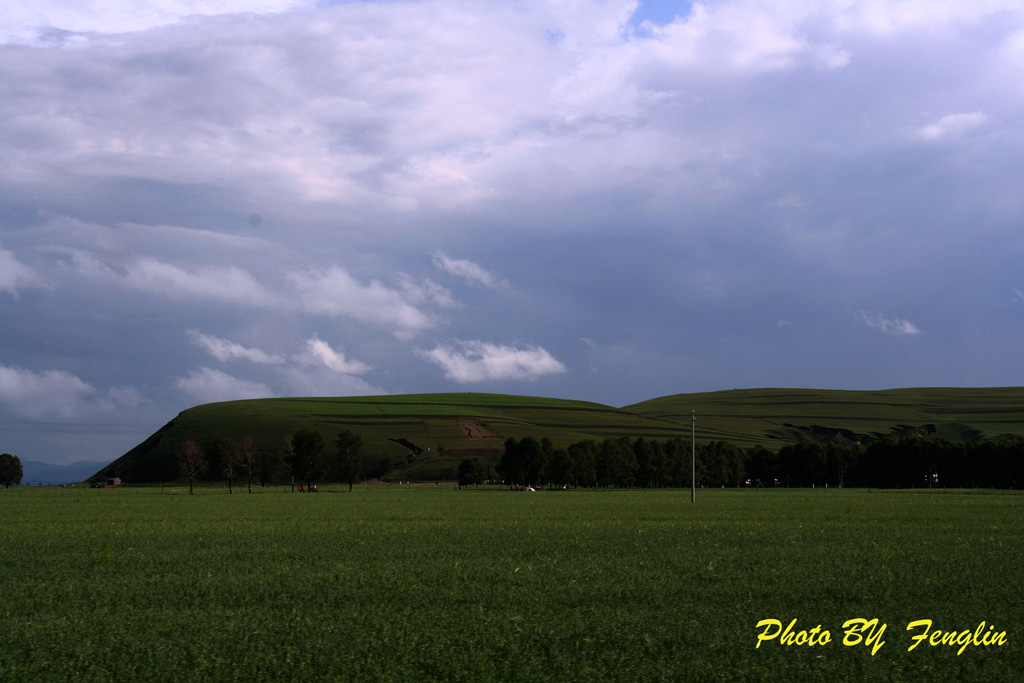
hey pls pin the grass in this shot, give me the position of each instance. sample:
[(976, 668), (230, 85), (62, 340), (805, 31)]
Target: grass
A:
[(425, 420), (471, 424), (427, 583), (774, 416)]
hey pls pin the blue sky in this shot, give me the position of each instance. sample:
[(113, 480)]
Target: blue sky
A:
[(660, 12), (607, 201)]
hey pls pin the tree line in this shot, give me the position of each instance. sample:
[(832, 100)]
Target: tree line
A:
[(906, 461), (305, 457)]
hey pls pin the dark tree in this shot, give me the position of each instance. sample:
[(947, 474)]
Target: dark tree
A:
[(10, 470), (838, 458), (560, 468), (250, 461), (679, 454), (802, 464), (512, 466), (620, 461), (191, 462), (547, 447), (761, 464), (385, 463), (534, 460), (523, 461), (643, 452), (659, 465), (584, 458), (270, 467), (470, 472), (306, 458), (226, 456), (349, 447)]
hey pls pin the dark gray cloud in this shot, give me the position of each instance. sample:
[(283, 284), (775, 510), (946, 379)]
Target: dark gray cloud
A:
[(612, 201)]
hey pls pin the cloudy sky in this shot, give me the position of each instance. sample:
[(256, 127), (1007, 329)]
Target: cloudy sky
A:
[(203, 200)]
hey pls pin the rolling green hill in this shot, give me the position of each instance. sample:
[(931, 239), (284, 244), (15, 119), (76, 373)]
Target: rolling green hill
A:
[(425, 435), (392, 427), (779, 416)]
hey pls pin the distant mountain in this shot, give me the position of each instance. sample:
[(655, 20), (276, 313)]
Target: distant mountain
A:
[(34, 473)]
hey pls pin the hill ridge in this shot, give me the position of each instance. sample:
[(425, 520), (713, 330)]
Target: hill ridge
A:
[(431, 421)]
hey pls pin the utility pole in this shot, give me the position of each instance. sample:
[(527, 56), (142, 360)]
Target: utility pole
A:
[(693, 458)]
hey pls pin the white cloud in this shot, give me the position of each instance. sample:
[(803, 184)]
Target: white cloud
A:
[(228, 284), (25, 22), (224, 350), (887, 17), (59, 394), (120, 398), (321, 352), (51, 392), (418, 105), (300, 374), (317, 352), (467, 270), (333, 292), (746, 37), (595, 348), (888, 324), (425, 292), (15, 275), (951, 126), (208, 386), (92, 268), (311, 381), (336, 292), (477, 361)]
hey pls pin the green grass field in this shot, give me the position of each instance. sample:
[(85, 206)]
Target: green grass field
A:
[(428, 583)]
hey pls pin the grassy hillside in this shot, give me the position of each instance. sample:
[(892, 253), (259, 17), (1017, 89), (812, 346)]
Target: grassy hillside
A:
[(778, 416), (468, 424), (392, 427)]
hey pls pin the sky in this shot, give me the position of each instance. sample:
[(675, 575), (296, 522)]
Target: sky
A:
[(207, 200)]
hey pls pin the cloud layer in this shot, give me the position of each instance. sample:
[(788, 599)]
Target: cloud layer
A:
[(216, 200), (14, 275), (55, 394)]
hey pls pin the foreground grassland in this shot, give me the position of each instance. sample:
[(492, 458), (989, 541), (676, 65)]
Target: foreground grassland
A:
[(428, 583)]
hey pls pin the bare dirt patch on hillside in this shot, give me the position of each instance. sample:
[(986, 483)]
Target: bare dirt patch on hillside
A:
[(475, 430)]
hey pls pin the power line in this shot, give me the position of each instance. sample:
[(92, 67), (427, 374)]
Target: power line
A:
[(97, 428), (79, 424), (79, 432)]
